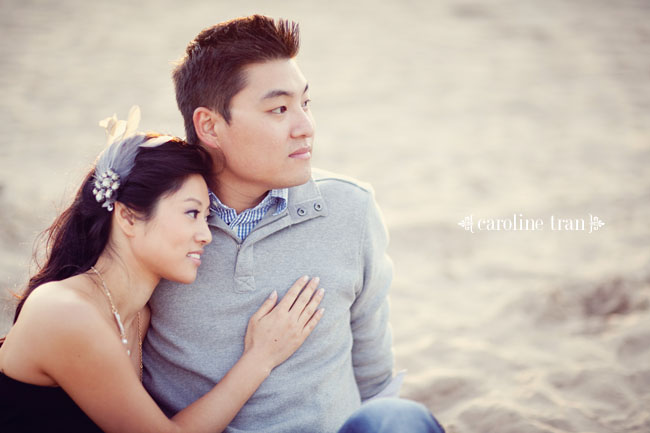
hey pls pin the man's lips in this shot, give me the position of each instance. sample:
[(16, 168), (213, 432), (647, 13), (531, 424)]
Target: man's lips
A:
[(302, 153)]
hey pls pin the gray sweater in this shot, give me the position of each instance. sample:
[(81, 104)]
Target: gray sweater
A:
[(331, 228)]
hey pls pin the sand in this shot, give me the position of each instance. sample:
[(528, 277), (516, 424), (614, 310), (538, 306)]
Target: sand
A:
[(451, 109)]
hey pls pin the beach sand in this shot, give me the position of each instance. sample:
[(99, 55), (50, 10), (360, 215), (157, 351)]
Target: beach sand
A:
[(451, 109)]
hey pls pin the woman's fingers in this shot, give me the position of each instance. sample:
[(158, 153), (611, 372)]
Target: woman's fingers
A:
[(266, 307), (292, 294), (313, 321), (308, 312), (277, 329), (304, 298)]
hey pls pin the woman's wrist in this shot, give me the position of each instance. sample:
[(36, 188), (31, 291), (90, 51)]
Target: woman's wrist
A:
[(256, 363)]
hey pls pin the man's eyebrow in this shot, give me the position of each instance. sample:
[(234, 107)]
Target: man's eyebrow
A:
[(275, 93)]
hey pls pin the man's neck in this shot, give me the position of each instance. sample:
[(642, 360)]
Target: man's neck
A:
[(239, 199)]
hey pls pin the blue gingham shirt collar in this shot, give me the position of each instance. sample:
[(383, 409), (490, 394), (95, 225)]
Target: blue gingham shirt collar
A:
[(245, 222)]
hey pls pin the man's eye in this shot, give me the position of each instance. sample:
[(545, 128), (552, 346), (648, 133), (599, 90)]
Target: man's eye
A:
[(279, 110)]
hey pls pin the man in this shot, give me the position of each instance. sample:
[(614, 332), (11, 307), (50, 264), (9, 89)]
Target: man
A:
[(244, 99)]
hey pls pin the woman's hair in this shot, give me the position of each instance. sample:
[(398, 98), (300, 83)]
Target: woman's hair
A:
[(78, 236)]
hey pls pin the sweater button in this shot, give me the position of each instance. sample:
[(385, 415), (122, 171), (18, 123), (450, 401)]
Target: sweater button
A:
[(301, 211), (318, 207)]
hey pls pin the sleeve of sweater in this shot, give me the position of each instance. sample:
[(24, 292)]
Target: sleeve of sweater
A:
[(372, 354)]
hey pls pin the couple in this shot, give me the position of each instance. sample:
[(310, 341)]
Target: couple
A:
[(238, 200)]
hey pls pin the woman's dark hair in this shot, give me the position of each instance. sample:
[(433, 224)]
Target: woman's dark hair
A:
[(78, 236)]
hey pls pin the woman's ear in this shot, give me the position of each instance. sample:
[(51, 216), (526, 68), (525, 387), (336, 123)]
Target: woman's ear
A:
[(124, 218), (205, 124)]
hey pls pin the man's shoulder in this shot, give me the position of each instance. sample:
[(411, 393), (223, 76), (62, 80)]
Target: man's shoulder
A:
[(339, 193), (328, 181)]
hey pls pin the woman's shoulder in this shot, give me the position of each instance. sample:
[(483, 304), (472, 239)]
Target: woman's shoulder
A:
[(58, 319), (68, 299), (55, 292), (65, 310)]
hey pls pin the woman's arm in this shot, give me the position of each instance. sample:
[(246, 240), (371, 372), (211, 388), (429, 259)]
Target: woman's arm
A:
[(79, 349)]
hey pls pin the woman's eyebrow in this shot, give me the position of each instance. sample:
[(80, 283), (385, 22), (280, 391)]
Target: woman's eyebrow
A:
[(199, 202)]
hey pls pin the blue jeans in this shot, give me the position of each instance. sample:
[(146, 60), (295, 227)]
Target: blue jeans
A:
[(392, 415)]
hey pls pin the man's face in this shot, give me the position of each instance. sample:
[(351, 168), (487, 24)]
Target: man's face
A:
[(269, 140)]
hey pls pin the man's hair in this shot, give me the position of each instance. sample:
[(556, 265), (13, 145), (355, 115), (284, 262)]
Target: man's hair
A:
[(211, 72)]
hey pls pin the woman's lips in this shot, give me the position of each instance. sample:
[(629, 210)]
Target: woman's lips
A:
[(195, 257)]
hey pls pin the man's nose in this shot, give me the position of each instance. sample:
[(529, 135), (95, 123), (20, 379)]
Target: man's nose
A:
[(303, 125)]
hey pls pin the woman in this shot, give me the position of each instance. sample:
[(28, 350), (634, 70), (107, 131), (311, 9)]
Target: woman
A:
[(73, 359)]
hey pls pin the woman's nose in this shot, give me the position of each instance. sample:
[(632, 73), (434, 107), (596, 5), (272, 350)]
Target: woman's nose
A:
[(205, 235)]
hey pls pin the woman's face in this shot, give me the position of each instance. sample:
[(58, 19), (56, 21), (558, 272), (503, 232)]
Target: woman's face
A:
[(171, 242)]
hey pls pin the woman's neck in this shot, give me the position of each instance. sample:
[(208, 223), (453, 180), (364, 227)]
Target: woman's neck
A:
[(130, 287)]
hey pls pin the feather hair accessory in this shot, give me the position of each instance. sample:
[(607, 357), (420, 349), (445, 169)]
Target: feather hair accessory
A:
[(116, 161)]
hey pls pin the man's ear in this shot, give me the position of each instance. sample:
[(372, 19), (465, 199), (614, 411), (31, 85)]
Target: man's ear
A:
[(205, 124), (124, 218)]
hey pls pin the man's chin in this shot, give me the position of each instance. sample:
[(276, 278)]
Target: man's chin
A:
[(305, 177), (296, 180)]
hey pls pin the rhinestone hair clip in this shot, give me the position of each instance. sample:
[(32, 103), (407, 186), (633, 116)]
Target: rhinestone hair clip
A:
[(106, 188)]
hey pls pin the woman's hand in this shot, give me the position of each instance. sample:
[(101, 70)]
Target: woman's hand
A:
[(275, 332)]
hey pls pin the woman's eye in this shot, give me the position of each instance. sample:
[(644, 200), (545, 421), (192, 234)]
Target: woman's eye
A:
[(193, 213), (279, 110), (306, 103)]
